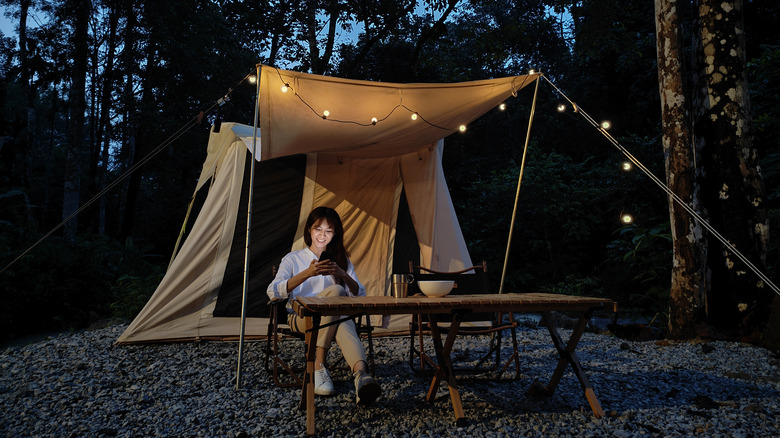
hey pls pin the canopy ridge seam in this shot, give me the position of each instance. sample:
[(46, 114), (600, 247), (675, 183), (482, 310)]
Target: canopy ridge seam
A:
[(354, 122)]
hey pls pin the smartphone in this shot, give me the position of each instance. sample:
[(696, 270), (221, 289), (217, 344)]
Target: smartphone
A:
[(326, 255)]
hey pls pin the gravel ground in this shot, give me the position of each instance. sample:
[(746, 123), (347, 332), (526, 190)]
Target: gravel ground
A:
[(80, 385)]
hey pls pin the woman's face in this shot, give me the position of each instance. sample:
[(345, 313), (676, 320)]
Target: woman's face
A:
[(321, 235)]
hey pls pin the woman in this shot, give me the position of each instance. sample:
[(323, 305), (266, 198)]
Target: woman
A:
[(301, 274)]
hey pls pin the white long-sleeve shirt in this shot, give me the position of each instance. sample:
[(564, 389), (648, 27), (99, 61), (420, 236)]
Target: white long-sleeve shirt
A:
[(298, 261)]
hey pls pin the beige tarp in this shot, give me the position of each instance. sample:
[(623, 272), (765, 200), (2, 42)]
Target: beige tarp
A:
[(291, 122), (354, 166)]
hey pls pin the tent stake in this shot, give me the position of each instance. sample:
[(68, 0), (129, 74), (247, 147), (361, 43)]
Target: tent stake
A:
[(248, 235), (519, 181)]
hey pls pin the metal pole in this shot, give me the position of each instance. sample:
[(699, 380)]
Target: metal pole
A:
[(248, 234), (517, 194)]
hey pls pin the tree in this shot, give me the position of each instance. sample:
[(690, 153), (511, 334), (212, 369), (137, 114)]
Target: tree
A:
[(725, 173), (731, 183), (686, 296), (78, 105)]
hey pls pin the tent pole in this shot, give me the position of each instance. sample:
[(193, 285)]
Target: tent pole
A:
[(183, 229), (517, 194), (248, 235)]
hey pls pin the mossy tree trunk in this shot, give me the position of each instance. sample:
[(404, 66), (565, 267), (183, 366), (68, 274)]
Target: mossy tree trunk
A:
[(732, 190), (686, 304)]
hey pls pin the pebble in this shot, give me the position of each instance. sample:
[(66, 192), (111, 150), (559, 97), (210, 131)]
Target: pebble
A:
[(80, 384)]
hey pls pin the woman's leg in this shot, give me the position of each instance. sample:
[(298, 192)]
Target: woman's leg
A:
[(344, 333), (320, 353)]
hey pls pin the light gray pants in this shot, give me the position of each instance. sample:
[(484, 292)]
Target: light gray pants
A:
[(344, 333)]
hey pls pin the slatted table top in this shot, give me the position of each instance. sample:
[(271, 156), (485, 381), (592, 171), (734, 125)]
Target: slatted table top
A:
[(508, 302)]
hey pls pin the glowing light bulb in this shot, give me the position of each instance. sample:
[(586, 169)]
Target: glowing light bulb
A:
[(373, 120), (626, 166), (531, 71), (414, 116), (626, 218), (252, 79), (502, 106), (605, 125), (325, 114), (284, 88), (462, 128), (561, 107)]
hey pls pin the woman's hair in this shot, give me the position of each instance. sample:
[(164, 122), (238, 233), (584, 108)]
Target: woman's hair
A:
[(336, 245)]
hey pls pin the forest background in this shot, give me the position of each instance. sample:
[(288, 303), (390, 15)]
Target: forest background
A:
[(95, 96)]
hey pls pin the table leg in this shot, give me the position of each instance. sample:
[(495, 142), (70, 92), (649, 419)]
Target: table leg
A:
[(444, 368), (312, 324), (569, 357)]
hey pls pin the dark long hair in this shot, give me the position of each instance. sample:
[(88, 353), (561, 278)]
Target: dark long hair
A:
[(336, 245)]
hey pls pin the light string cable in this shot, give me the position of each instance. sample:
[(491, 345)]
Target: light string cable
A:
[(578, 109), (354, 122), (175, 136)]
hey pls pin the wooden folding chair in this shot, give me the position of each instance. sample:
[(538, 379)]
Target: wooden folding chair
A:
[(284, 374), (469, 281)]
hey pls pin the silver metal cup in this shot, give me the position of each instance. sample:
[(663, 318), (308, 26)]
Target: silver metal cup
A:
[(400, 284)]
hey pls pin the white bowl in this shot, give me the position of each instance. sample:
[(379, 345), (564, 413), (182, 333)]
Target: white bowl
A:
[(435, 288)]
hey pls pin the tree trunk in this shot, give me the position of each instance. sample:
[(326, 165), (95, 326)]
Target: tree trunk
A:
[(687, 286), (311, 36), (429, 32), (72, 187), (23, 175), (737, 302), (140, 118), (104, 124)]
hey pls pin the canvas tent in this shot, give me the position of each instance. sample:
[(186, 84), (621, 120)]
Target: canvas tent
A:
[(375, 157)]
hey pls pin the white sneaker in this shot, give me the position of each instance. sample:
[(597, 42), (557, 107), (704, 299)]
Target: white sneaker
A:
[(323, 385), (366, 388)]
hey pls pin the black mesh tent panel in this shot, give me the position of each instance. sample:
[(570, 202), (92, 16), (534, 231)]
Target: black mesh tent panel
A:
[(406, 245), (275, 209)]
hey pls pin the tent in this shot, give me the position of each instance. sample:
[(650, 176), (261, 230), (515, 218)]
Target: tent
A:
[(371, 150)]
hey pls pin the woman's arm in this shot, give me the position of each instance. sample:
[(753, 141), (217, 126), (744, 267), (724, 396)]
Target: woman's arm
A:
[(349, 277), (298, 279), (354, 287), (287, 279)]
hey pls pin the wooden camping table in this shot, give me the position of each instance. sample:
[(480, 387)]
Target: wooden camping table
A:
[(313, 308)]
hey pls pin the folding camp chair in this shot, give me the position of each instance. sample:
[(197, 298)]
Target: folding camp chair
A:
[(285, 374), (469, 281)]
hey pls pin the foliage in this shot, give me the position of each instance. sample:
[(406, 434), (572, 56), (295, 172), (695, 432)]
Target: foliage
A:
[(61, 287), (559, 216), (132, 292), (637, 267), (171, 60)]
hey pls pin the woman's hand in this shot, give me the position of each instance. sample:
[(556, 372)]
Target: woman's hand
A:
[(325, 267), (329, 267)]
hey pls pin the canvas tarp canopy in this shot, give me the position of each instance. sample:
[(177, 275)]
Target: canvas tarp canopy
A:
[(385, 179)]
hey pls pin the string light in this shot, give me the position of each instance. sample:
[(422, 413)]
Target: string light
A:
[(561, 107), (605, 125), (626, 166), (626, 218), (531, 72), (252, 79), (414, 115)]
